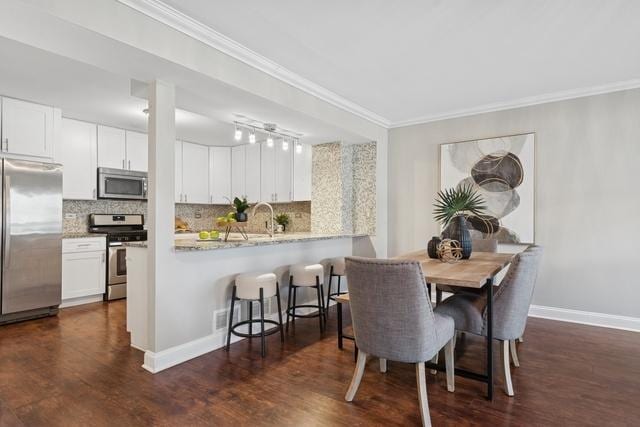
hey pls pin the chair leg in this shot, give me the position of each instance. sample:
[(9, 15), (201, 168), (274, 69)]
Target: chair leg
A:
[(279, 312), (422, 394), (233, 300), (262, 343), (435, 361), (357, 377), (514, 353), (438, 296), (449, 363), (329, 286), (383, 365), (289, 300), (507, 368)]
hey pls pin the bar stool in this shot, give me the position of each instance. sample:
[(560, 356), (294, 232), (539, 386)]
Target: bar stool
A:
[(252, 287), (306, 276), (337, 269)]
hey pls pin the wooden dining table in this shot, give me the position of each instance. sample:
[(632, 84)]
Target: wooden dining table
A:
[(477, 272)]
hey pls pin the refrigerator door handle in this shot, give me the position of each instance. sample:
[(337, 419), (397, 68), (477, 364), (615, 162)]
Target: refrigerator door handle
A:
[(6, 226)]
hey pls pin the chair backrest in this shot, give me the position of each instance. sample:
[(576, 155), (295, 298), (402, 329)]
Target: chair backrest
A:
[(390, 310), (484, 245), (513, 297)]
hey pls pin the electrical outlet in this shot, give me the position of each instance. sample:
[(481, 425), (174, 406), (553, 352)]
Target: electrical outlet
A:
[(70, 215), (198, 215)]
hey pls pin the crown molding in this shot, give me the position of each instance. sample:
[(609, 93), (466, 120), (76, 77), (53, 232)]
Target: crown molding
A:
[(180, 22), (523, 102)]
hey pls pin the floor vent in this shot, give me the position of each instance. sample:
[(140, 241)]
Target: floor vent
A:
[(221, 317)]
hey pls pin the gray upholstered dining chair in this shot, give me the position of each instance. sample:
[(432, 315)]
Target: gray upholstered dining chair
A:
[(511, 302), (393, 320)]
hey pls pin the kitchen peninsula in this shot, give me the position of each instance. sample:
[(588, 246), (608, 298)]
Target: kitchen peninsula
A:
[(203, 275)]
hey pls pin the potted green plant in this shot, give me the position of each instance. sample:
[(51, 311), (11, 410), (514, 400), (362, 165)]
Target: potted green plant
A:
[(282, 220), (451, 208), (241, 205)]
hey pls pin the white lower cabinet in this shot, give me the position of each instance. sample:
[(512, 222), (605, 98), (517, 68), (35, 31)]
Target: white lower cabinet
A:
[(83, 270)]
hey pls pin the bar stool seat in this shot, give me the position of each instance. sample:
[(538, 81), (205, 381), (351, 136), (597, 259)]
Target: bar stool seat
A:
[(339, 266), (249, 285), (252, 287), (306, 276), (337, 269)]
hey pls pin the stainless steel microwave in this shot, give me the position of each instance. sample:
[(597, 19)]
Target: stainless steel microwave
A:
[(122, 184)]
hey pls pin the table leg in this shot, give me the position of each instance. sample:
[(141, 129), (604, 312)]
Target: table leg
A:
[(489, 287), (339, 307)]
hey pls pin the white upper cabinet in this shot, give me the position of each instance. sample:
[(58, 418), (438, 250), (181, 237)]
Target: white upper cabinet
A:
[(302, 174), (283, 169), (252, 173), (219, 175), (137, 151), (27, 129), (267, 174), (195, 173), (112, 147), (238, 171), (276, 174), (79, 157), (178, 172)]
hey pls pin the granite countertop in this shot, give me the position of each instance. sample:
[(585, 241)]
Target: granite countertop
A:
[(236, 241), (81, 235)]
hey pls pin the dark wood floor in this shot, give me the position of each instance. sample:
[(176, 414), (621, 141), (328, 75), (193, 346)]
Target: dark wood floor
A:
[(78, 369)]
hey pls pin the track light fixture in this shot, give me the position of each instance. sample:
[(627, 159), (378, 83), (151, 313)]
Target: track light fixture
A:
[(270, 141), (252, 137), (285, 144), (238, 134), (298, 147)]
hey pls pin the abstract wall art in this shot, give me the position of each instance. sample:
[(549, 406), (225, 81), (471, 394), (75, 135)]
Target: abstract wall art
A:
[(501, 170)]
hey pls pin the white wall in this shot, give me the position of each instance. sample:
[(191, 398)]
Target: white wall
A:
[(587, 195)]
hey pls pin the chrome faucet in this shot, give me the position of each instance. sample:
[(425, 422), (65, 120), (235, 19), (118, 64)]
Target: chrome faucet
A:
[(271, 234)]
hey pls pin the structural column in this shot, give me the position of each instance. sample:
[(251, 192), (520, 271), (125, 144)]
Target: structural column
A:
[(161, 202)]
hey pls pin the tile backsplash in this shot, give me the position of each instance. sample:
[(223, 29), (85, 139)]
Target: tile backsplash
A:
[(199, 217)]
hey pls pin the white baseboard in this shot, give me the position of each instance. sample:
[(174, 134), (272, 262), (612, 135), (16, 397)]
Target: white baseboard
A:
[(72, 302), (156, 362), (586, 318)]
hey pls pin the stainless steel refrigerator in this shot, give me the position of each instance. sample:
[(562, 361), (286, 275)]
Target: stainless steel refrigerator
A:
[(31, 239)]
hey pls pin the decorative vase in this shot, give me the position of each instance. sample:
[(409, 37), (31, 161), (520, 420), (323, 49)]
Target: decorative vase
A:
[(241, 216), (458, 230), (432, 247)]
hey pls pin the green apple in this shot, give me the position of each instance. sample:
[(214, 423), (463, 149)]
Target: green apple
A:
[(204, 235), (214, 234)]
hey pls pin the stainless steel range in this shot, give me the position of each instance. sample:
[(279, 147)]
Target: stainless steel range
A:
[(119, 229)]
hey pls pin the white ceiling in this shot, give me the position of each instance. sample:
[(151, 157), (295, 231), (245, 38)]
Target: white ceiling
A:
[(422, 59), (89, 93)]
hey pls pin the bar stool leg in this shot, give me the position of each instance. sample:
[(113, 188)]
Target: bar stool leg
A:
[(279, 312), (289, 300), (324, 307), (330, 280), (262, 343), (250, 316), (293, 309), (233, 300), (320, 304)]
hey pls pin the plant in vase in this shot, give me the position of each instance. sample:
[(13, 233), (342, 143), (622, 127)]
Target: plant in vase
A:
[(240, 205), (282, 220), (452, 207)]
